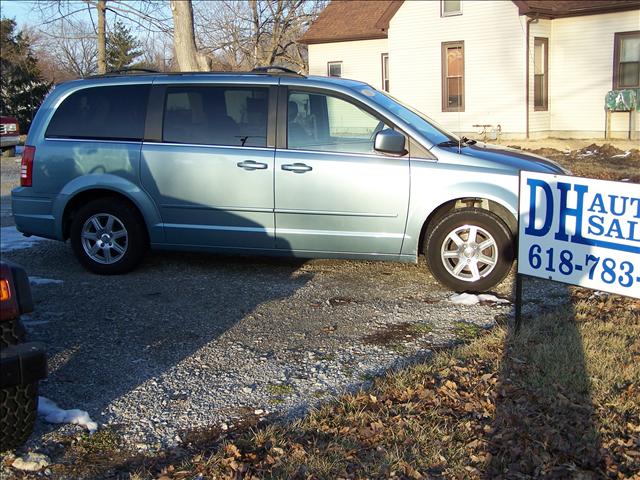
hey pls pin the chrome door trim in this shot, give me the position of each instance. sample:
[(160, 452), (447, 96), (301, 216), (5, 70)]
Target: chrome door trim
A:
[(342, 214)]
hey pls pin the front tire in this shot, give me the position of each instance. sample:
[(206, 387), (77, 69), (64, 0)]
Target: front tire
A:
[(108, 236), (470, 250)]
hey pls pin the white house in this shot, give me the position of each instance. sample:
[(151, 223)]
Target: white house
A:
[(529, 69)]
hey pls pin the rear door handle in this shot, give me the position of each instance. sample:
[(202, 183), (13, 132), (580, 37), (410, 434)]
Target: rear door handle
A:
[(251, 165), (297, 168)]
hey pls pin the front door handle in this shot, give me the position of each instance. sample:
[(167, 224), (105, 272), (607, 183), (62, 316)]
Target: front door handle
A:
[(297, 168), (251, 165)]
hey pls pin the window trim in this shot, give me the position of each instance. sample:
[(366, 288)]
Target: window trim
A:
[(443, 79), (449, 14), (283, 115), (154, 123), (334, 62), (617, 43), (382, 57), (545, 104)]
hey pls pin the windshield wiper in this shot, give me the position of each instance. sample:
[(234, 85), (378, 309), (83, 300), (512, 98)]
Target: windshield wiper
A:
[(449, 143), (457, 143)]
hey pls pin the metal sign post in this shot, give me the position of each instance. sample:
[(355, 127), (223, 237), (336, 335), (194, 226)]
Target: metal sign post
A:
[(518, 320)]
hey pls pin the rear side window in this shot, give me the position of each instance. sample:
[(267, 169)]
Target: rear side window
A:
[(231, 116), (102, 113)]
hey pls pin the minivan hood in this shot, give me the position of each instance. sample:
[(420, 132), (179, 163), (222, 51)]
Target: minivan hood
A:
[(497, 156)]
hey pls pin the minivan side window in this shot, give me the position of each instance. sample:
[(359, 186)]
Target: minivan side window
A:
[(102, 113), (233, 116), (324, 123)]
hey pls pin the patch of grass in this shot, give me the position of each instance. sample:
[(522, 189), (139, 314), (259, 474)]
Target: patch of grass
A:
[(281, 389), (105, 439), (421, 328), (467, 331)]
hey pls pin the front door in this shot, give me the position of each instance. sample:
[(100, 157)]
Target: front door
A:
[(211, 176), (334, 193)]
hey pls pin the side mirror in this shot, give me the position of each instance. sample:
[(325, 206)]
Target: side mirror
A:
[(390, 141)]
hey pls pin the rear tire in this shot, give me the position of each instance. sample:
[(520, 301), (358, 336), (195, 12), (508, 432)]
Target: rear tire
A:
[(18, 411), (108, 236), (470, 250)]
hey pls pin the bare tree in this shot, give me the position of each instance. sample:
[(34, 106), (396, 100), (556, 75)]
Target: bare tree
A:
[(184, 41), (149, 16), (65, 50), (250, 33)]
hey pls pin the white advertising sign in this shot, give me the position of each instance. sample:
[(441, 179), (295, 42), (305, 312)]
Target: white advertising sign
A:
[(580, 231)]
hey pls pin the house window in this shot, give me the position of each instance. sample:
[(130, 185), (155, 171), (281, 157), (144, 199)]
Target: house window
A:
[(385, 72), (453, 76), (540, 73), (450, 7), (334, 69), (626, 60)]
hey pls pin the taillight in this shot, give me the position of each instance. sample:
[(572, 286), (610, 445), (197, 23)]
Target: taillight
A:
[(5, 290), (26, 167)]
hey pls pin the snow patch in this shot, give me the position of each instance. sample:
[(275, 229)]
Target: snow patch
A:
[(622, 155), (43, 281), (471, 299), (11, 239), (54, 414), (31, 462)]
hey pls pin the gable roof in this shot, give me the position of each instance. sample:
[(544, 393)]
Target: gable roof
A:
[(347, 20), (573, 8)]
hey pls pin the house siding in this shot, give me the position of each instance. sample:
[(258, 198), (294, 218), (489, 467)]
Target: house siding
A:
[(580, 68), (581, 74), (494, 63), (361, 59)]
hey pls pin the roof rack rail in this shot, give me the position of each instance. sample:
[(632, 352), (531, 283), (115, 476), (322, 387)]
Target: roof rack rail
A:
[(275, 67), (133, 69)]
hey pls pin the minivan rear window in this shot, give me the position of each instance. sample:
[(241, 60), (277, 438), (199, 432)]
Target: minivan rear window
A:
[(102, 113), (225, 115)]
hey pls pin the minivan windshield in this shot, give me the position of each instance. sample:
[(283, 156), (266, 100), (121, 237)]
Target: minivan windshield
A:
[(423, 124)]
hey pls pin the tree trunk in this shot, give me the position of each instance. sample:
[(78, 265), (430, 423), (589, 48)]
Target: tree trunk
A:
[(102, 39), (184, 42)]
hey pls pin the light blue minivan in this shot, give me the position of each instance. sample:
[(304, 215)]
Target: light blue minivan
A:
[(265, 162)]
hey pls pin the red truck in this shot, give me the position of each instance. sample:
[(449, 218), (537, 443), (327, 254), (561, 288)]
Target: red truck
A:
[(9, 135)]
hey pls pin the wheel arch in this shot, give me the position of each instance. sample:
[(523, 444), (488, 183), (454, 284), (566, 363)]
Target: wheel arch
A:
[(499, 207), (72, 196)]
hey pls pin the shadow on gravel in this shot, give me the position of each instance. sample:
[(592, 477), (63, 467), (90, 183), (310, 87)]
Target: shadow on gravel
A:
[(544, 420), (127, 331)]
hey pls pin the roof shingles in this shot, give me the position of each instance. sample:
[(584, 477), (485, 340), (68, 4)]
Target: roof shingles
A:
[(344, 20)]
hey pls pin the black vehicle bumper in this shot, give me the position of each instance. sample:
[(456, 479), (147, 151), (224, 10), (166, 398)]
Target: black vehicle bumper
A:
[(22, 364)]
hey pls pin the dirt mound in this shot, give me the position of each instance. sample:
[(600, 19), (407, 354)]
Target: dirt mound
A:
[(551, 153), (597, 161)]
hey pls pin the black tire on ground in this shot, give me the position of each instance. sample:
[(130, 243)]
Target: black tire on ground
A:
[(18, 410), (11, 333), (129, 218), (442, 268), (9, 152)]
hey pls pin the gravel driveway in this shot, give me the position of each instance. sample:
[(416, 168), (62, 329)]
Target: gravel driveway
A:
[(189, 341)]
